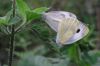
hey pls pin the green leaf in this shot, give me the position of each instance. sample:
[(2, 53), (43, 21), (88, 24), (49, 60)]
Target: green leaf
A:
[(40, 10), (22, 8), (74, 53), (14, 20), (5, 19), (28, 14), (31, 15), (2, 20), (36, 13)]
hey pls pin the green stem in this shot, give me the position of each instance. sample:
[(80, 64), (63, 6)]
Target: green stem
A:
[(11, 46), (12, 38)]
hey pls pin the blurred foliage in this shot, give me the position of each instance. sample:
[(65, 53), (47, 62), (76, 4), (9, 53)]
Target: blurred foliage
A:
[(5, 5), (35, 43)]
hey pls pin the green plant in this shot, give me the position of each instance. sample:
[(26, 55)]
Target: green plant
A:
[(20, 16)]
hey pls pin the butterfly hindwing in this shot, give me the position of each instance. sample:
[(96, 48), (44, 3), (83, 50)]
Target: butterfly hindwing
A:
[(66, 30)]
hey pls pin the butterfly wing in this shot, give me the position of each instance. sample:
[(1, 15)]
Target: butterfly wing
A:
[(54, 17), (83, 31), (66, 30)]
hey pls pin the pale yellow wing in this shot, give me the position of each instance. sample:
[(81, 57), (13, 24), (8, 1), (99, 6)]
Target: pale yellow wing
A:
[(66, 30)]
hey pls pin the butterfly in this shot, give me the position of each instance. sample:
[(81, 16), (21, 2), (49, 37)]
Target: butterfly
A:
[(69, 29)]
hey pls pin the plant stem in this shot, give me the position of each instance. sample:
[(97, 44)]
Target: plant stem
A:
[(12, 37)]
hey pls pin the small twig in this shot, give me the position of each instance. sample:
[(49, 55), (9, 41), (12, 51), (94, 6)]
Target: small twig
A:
[(12, 37)]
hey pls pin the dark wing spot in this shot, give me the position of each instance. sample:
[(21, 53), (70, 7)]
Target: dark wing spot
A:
[(78, 30)]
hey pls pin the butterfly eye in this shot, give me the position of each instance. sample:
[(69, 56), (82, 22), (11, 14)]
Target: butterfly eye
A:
[(78, 30)]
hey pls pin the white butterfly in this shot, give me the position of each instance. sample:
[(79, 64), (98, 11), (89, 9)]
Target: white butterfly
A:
[(69, 29)]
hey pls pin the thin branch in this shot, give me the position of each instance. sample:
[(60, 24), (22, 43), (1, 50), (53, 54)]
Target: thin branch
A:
[(12, 37)]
